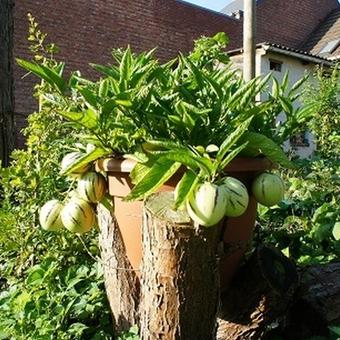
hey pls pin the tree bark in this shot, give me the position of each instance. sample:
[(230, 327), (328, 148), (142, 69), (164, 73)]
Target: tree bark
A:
[(258, 297), (6, 81), (121, 281), (180, 276), (316, 304)]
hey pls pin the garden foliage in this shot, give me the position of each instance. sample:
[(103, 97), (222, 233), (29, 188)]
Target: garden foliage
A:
[(50, 287), (306, 226)]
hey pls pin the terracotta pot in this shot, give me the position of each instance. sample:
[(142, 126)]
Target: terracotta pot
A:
[(237, 230)]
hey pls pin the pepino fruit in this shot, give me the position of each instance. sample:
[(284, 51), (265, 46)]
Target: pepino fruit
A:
[(237, 197), (91, 187), (49, 215), (268, 189), (70, 159), (206, 205), (78, 216)]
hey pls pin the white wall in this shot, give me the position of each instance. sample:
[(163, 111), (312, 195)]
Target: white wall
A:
[(297, 69)]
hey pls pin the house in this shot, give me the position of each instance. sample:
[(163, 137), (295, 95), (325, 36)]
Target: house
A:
[(87, 30)]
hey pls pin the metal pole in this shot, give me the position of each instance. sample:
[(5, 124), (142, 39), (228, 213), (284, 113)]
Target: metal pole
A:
[(249, 28)]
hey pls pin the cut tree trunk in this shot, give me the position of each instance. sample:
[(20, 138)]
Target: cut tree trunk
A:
[(259, 296), (316, 303), (180, 276), (121, 281), (179, 295), (6, 81)]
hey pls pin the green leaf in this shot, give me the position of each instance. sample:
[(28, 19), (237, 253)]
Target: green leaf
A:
[(90, 98), (298, 84), (184, 187), (109, 71), (103, 88), (187, 158), (284, 84), (275, 88), (232, 155), (87, 118), (336, 231), (45, 73), (140, 170), (221, 38), (232, 139), (160, 172), (268, 148), (286, 105), (247, 88), (125, 68), (86, 159)]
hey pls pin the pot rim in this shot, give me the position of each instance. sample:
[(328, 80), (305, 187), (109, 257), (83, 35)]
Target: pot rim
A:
[(238, 164)]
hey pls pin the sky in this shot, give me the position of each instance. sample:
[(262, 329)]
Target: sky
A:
[(215, 5)]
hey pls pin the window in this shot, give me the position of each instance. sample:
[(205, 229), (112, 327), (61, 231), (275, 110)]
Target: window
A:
[(275, 65), (330, 47)]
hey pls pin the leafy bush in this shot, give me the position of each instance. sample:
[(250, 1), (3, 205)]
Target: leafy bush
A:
[(306, 225), (193, 111), (50, 285)]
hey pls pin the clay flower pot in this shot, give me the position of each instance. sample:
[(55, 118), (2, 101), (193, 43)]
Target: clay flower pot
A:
[(237, 232)]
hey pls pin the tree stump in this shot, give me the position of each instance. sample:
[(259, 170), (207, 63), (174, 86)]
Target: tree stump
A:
[(259, 296), (121, 282), (180, 275)]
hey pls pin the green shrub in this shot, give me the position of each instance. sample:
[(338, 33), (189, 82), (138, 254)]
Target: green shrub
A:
[(306, 224), (51, 287)]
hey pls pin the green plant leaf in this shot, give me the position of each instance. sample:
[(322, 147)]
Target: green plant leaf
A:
[(232, 139), (232, 155), (162, 169), (87, 118), (267, 147), (86, 159), (44, 72), (275, 88), (286, 105), (139, 171), (108, 71), (125, 69), (187, 158), (184, 187), (90, 98)]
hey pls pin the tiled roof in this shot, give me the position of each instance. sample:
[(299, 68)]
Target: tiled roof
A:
[(234, 6), (288, 50), (328, 31)]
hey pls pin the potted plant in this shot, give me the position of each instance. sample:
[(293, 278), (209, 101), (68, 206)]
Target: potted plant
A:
[(186, 125)]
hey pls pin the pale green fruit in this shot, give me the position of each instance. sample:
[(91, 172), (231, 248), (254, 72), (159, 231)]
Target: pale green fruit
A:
[(91, 187), (71, 158), (206, 205), (78, 216), (49, 215), (237, 197), (268, 189)]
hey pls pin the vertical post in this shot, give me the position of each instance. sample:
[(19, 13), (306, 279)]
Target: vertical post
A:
[(249, 27), (6, 81)]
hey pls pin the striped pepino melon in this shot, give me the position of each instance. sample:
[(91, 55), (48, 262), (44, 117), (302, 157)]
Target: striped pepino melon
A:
[(49, 215), (70, 159), (237, 197), (78, 216), (206, 205), (268, 189), (91, 187)]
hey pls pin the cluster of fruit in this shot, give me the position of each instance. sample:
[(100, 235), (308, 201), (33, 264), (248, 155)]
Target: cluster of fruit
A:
[(77, 214), (209, 203)]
